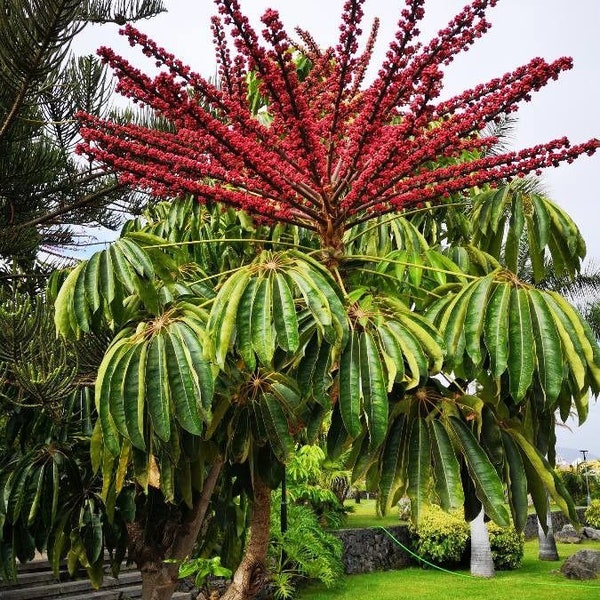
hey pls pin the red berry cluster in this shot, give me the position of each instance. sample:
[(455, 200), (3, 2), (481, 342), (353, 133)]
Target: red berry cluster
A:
[(327, 152)]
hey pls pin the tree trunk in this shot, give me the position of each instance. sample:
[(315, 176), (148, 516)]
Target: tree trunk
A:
[(482, 564), (250, 575), (547, 543), (159, 579)]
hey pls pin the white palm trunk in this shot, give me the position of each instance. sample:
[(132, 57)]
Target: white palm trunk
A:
[(482, 564), (547, 543)]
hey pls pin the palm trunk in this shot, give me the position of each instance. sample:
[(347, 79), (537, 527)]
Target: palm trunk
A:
[(547, 543), (250, 575), (159, 579), (482, 564)]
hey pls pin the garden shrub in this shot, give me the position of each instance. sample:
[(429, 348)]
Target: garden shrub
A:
[(507, 546), (592, 514), (440, 537), (304, 551)]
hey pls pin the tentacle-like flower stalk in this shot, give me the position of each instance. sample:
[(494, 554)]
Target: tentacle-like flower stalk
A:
[(330, 152)]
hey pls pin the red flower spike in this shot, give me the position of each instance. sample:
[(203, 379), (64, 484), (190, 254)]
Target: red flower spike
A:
[(331, 153)]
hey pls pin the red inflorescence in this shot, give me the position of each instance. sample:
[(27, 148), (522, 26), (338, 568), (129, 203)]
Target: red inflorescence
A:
[(326, 152)]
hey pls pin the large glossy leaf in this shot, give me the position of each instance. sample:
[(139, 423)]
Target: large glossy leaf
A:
[(475, 318), (284, 314), (521, 345), (517, 482), (540, 469), (374, 390), (350, 390), (496, 328), (157, 387), (549, 357), (392, 462), (183, 383), (277, 426), (419, 468), (488, 486), (262, 326), (446, 469)]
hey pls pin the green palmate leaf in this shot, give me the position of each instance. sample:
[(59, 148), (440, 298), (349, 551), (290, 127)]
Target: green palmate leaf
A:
[(374, 390), (350, 391), (116, 391), (452, 323), (315, 299), (38, 483), (122, 269), (360, 458), (427, 336), (475, 318), (539, 469), (277, 426), (419, 468), (517, 482), (322, 380), (239, 435), (81, 310), (156, 387), (415, 357), (393, 358), (515, 232), (521, 345), (107, 277), (92, 282), (392, 463), (64, 319), (262, 327), (542, 218), (183, 383), (134, 396), (244, 325), (192, 335), (536, 250), (327, 286), (284, 314), (337, 436), (583, 336), (446, 469), (488, 486), (496, 328), (286, 391), (137, 257), (222, 318), (548, 351), (104, 380)]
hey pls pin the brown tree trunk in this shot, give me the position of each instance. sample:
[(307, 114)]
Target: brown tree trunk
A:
[(250, 575), (159, 579)]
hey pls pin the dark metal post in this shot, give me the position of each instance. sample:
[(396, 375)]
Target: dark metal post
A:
[(587, 481)]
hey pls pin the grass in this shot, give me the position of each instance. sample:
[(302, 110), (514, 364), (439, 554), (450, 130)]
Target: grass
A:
[(535, 580), (365, 515)]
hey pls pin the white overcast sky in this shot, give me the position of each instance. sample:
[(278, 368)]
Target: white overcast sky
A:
[(522, 29)]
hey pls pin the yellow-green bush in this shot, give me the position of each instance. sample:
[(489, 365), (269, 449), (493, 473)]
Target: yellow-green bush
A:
[(507, 547), (592, 514), (440, 537)]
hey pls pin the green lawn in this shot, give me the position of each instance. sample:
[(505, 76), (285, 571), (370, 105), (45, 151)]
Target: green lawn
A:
[(364, 515), (535, 580)]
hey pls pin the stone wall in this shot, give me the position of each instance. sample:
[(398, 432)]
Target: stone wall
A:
[(372, 549), (558, 522)]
